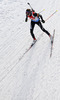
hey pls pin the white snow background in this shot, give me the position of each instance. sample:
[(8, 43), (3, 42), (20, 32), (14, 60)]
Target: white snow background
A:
[(36, 76)]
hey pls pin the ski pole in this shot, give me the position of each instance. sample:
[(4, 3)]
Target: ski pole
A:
[(51, 15), (42, 10)]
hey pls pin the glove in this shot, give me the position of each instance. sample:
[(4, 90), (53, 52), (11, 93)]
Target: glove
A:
[(26, 20), (43, 21)]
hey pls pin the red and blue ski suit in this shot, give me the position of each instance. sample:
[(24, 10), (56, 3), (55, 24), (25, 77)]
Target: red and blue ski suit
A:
[(35, 19)]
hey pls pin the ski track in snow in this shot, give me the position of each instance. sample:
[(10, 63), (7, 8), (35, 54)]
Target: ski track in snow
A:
[(36, 76)]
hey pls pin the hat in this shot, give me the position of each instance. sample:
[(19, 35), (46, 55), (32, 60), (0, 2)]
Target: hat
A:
[(28, 11)]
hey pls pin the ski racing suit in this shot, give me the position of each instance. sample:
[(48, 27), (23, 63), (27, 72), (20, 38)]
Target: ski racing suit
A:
[(35, 19)]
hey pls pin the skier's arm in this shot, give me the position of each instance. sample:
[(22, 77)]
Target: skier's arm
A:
[(38, 15), (26, 19), (41, 18), (35, 14)]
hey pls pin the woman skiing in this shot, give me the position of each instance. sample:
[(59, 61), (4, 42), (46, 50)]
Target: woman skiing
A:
[(35, 19)]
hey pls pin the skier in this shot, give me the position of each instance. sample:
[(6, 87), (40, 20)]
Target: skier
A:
[(35, 19)]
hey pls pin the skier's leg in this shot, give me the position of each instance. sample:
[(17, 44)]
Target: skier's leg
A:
[(31, 30), (43, 29)]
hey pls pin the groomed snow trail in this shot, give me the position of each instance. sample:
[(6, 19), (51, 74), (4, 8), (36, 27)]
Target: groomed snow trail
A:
[(36, 76)]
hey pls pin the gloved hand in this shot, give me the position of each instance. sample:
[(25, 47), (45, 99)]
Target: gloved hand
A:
[(26, 20), (43, 21)]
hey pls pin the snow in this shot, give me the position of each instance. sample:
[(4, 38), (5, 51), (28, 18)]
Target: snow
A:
[(36, 76)]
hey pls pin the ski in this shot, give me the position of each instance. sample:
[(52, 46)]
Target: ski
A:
[(52, 43), (27, 50)]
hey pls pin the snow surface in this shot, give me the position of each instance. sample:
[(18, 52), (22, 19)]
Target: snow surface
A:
[(36, 76)]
